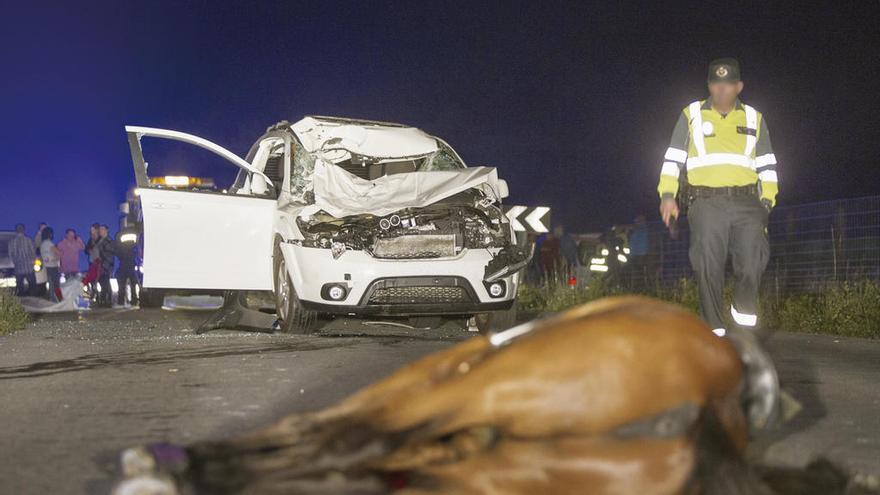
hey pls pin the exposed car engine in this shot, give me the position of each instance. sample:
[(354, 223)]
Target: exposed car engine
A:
[(436, 231)]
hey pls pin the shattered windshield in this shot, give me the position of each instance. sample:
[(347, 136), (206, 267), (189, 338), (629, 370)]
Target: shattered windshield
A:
[(442, 159), (371, 168)]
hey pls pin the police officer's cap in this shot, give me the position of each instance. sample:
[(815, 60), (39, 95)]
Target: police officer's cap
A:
[(724, 70)]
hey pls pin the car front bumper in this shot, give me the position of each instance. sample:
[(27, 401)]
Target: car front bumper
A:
[(439, 286)]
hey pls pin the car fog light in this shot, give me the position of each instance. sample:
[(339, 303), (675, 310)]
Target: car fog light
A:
[(334, 292), (496, 289)]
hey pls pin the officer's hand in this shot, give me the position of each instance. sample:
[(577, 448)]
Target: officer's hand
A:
[(768, 205), (668, 210)]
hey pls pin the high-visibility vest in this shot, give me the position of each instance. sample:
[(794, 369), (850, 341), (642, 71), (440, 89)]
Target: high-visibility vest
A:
[(720, 151)]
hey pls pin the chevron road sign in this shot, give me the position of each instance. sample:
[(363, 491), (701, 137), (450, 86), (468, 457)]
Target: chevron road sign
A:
[(532, 219)]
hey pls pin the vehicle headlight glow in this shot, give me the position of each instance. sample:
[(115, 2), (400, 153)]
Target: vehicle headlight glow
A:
[(176, 180)]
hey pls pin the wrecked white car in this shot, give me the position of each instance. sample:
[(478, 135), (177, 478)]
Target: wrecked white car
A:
[(337, 217)]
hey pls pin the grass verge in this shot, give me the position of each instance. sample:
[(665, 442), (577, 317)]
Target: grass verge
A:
[(12, 315), (847, 308)]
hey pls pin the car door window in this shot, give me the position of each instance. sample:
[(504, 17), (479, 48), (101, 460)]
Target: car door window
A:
[(173, 160), (177, 165)]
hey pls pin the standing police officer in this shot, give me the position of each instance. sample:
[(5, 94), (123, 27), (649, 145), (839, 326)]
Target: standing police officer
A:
[(723, 146)]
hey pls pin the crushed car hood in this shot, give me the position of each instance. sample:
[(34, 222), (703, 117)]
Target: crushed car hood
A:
[(388, 141), (340, 193)]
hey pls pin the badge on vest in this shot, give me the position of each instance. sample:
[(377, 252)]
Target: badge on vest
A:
[(746, 130), (708, 128)]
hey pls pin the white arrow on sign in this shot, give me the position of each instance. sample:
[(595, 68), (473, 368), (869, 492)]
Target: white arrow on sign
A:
[(512, 214), (534, 219)]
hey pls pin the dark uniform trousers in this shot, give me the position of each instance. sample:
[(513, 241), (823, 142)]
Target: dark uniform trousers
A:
[(126, 276), (722, 224)]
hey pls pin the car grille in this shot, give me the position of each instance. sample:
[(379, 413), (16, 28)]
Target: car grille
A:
[(419, 295), (415, 246)]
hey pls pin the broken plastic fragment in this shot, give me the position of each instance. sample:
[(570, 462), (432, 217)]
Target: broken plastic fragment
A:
[(337, 249)]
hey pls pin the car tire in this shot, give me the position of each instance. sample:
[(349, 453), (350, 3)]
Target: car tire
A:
[(293, 318), (151, 298), (496, 321)]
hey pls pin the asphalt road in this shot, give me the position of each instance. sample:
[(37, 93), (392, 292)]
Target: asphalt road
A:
[(75, 390)]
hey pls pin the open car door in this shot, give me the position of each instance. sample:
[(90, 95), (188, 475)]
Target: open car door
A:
[(203, 239)]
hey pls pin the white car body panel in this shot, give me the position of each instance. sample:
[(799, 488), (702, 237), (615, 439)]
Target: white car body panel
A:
[(203, 240), (313, 267), (206, 241)]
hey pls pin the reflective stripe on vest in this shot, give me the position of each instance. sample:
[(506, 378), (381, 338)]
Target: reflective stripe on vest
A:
[(751, 123), (720, 159), (704, 159), (695, 109)]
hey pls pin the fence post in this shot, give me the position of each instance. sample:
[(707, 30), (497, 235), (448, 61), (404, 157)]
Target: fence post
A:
[(833, 253)]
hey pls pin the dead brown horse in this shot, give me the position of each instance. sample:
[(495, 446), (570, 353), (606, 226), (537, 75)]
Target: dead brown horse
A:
[(622, 396)]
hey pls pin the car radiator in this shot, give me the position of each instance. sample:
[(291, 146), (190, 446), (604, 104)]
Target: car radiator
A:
[(415, 246)]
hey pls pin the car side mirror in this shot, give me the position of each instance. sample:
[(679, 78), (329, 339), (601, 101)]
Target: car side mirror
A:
[(503, 191)]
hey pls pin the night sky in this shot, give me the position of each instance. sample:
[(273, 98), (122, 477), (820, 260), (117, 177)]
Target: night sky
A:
[(573, 102)]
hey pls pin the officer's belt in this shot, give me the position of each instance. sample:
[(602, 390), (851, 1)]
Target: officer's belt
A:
[(708, 192)]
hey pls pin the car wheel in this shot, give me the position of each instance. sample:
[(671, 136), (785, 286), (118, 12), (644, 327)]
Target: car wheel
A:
[(151, 298), (496, 321), (293, 317)]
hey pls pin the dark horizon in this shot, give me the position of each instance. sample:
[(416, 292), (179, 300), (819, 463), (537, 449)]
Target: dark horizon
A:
[(573, 102)]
